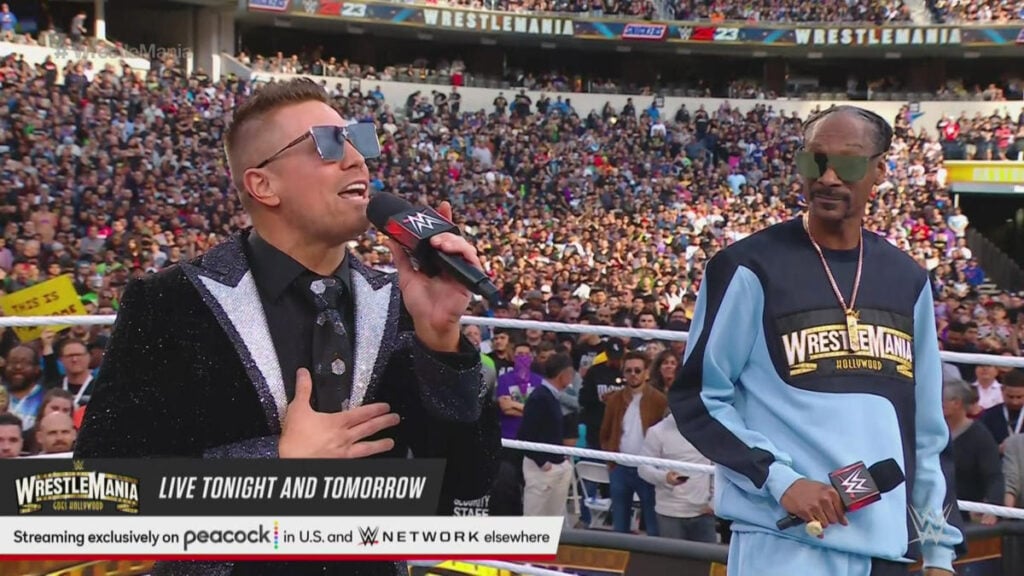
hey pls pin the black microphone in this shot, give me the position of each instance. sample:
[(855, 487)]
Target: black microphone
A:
[(413, 227), (858, 486)]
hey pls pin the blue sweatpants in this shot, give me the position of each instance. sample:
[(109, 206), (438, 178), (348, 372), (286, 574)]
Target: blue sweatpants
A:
[(762, 554)]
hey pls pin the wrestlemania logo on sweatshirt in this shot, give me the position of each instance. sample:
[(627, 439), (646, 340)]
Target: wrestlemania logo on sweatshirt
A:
[(818, 343)]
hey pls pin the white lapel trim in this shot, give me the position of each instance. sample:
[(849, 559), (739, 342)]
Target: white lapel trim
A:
[(372, 311), (243, 309)]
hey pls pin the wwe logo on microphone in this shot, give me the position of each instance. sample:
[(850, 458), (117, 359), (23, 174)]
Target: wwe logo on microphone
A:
[(368, 536), (855, 484), (420, 222)]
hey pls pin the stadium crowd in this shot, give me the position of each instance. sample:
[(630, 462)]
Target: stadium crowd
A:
[(874, 11), (315, 62), (877, 11), (597, 8), (604, 217), (980, 11)]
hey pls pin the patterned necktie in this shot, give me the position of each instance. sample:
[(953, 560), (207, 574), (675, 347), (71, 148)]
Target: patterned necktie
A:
[(332, 348)]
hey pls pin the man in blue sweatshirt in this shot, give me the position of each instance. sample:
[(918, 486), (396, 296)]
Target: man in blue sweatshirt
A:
[(813, 347)]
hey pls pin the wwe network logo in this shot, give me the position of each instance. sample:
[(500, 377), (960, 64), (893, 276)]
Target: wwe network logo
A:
[(368, 536), (929, 524), (421, 222)]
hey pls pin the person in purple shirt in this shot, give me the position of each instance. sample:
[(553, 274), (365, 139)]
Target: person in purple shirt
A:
[(514, 388)]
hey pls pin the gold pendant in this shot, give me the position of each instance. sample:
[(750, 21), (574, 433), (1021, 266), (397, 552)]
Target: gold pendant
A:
[(851, 330)]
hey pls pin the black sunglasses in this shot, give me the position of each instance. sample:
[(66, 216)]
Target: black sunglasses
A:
[(849, 168), (330, 142)]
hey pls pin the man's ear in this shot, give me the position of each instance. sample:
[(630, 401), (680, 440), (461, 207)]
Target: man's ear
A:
[(260, 187), (882, 168)]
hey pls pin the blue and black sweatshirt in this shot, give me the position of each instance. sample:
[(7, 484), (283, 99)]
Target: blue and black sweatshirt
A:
[(769, 391)]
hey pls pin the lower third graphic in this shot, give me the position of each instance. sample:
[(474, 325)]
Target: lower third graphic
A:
[(369, 536)]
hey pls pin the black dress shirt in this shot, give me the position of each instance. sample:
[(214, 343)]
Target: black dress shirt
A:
[(290, 314)]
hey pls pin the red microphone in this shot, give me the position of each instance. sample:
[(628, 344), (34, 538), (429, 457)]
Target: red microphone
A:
[(858, 486)]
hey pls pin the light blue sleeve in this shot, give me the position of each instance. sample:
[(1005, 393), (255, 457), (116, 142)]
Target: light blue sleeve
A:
[(933, 505), (727, 323)]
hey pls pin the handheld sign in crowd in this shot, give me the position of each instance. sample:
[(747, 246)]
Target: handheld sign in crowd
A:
[(55, 297)]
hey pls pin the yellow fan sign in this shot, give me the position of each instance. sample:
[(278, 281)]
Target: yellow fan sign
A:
[(55, 297)]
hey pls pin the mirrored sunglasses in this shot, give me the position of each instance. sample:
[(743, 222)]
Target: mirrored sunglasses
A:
[(330, 140), (848, 168)]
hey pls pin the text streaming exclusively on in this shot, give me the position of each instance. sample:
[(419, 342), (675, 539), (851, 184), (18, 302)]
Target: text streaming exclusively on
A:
[(313, 536)]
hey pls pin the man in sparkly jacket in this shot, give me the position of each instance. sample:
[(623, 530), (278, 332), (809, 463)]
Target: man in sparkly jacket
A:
[(226, 356)]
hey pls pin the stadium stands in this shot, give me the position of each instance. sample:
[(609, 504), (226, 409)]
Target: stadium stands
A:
[(673, 186), (951, 11), (876, 11)]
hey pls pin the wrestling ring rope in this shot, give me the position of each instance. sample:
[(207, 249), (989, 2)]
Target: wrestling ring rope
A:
[(625, 459), (649, 334)]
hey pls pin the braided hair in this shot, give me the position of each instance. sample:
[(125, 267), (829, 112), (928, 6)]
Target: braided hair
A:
[(883, 131)]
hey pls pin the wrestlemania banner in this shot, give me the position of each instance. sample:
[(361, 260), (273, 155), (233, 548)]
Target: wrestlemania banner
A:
[(554, 26)]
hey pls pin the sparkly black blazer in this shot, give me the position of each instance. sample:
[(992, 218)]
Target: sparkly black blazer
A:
[(191, 371)]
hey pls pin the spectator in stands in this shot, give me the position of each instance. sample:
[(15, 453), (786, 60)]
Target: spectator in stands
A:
[(514, 388), (11, 439), (962, 337), (74, 359), (502, 351), (1013, 471), (990, 391), (682, 501), (21, 379), (663, 370), (77, 29), (489, 375), (604, 378), (547, 477), (979, 475), (56, 433), (1007, 419), (54, 400), (8, 21), (629, 413)]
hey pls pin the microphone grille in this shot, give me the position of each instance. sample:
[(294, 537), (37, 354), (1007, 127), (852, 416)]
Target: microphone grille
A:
[(887, 474), (384, 205)]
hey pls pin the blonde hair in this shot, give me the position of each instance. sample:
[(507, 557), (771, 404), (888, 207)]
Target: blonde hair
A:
[(5, 400)]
